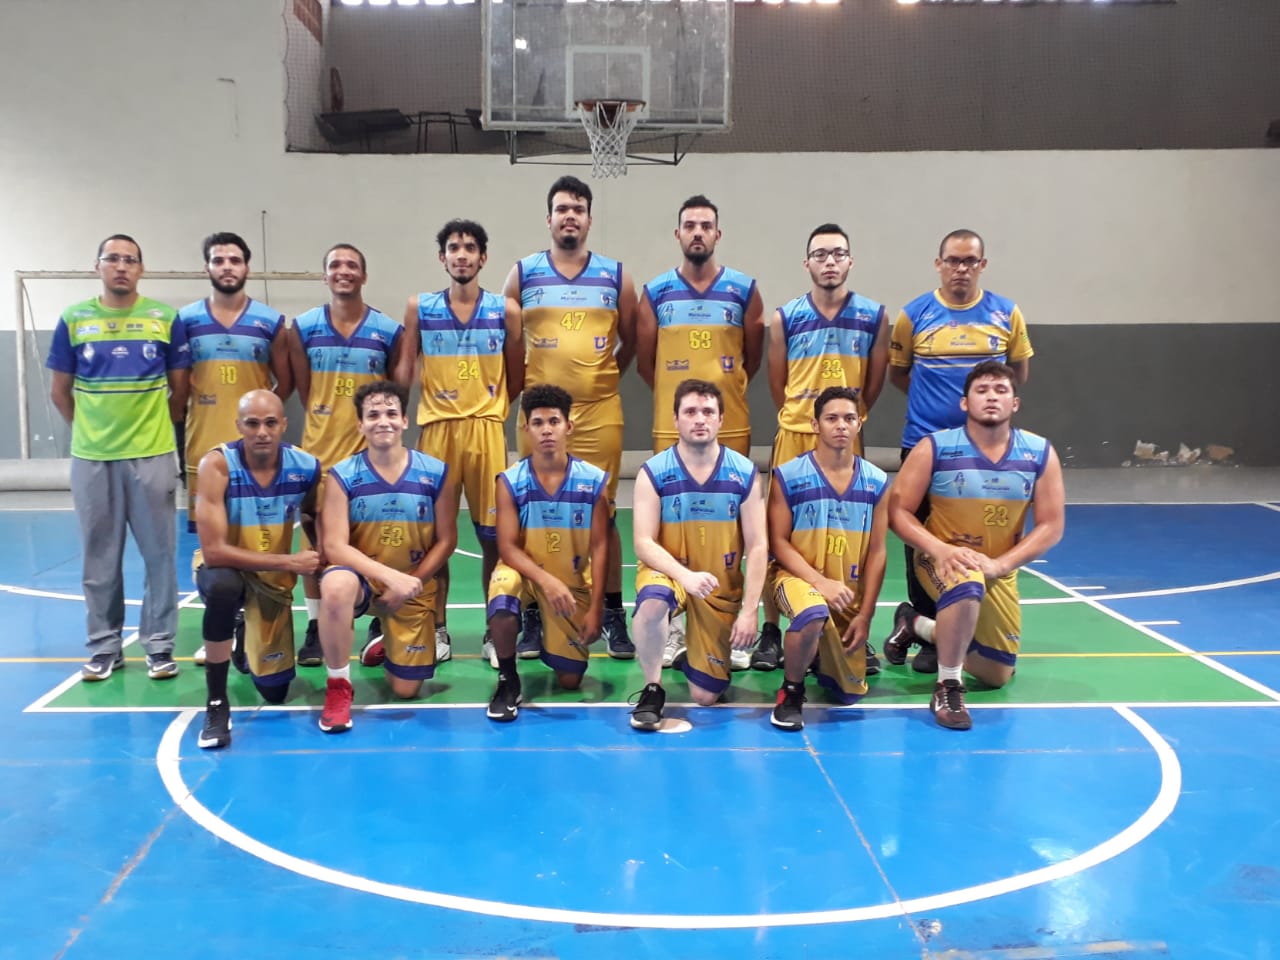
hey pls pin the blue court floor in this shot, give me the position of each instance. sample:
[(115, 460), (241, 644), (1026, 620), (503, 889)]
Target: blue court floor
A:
[(1129, 826)]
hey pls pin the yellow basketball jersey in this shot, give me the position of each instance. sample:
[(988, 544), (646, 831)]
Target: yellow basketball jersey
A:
[(555, 525), (226, 363), (571, 326), (394, 523), (464, 373)]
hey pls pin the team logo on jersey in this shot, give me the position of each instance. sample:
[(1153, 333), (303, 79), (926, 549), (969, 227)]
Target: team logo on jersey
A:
[(87, 352), (731, 559), (579, 518), (422, 511), (600, 342), (375, 364), (1026, 487), (674, 366), (667, 312), (958, 482), (493, 344), (726, 363), (544, 343), (112, 326), (120, 352), (993, 342), (733, 510), (607, 299), (533, 296)]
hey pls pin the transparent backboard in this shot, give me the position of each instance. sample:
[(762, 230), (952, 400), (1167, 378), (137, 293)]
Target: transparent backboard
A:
[(541, 56)]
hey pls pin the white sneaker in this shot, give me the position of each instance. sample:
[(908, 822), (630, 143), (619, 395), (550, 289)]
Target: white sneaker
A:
[(675, 640), (444, 646), (199, 657), (739, 660), (487, 652)]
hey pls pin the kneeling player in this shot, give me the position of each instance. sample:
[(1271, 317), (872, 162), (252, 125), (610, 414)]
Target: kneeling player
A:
[(250, 493), (980, 479), (389, 523), (827, 519), (553, 538), (698, 512)]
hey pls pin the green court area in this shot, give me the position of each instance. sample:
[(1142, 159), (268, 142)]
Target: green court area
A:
[(1075, 653)]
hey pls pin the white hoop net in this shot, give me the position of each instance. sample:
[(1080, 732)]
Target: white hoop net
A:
[(608, 124)]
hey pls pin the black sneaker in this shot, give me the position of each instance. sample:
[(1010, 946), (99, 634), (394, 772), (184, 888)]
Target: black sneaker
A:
[(161, 666), (504, 706), (873, 662), (217, 726), (788, 713), (926, 661), (311, 654), (239, 659), (614, 631), (648, 712), (948, 706), (529, 646), (898, 644), (100, 666), (768, 652)]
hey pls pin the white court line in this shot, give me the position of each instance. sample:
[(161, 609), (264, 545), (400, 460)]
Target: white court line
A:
[(39, 705), (1159, 623), (52, 595), (1099, 587), (169, 764), (1226, 671), (1267, 506), (534, 705)]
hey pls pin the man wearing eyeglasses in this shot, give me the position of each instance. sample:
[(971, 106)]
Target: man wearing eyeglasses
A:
[(119, 364), (830, 337), (938, 338)]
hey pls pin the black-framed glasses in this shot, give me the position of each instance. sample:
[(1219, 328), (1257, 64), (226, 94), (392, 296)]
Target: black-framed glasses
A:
[(968, 262), (820, 255), (116, 258)]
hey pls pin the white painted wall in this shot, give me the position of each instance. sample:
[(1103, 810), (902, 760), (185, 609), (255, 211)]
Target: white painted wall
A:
[(166, 120)]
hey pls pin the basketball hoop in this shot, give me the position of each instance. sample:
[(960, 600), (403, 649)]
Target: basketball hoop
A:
[(608, 124)]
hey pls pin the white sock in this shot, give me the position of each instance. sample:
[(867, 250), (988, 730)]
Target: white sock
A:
[(949, 673), (344, 673), (923, 627), (313, 609)]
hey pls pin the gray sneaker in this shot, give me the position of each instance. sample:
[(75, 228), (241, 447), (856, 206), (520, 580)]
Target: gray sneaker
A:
[(100, 666), (161, 666)]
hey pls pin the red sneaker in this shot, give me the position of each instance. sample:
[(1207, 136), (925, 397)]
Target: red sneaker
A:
[(374, 653), (948, 705), (336, 716)]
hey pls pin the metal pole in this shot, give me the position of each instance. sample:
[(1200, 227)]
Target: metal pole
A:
[(20, 326)]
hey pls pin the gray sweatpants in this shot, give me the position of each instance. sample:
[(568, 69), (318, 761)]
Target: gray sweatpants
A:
[(108, 495)]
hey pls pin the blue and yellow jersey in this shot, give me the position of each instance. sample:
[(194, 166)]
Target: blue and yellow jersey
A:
[(941, 344), (979, 504), (555, 525), (262, 518), (464, 374), (339, 367), (831, 530), (701, 335), (700, 522), (571, 325), (226, 363), (120, 361), (825, 353), (394, 523)]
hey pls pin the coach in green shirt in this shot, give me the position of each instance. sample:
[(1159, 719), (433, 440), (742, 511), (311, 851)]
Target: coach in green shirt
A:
[(120, 365)]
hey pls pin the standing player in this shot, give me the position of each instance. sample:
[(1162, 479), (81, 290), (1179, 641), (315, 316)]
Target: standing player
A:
[(252, 491), (698, 515), (335, 349), (114, 358), (701, 321), (980, 479), (938, 338), (830, 337), (472, 365), (827, 519), (389, 524), (579, 323), (706, 322), (237, 344), (553, 533)]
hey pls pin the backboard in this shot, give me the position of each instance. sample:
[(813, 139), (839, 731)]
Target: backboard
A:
[(541, 56)]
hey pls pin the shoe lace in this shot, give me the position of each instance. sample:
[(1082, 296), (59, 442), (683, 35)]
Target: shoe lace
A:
[(953, 694)]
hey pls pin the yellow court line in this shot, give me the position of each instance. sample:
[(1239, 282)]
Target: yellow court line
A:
[(1042, 656)]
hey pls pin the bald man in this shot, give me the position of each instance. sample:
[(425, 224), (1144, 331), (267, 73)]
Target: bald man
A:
[(251, 492)]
